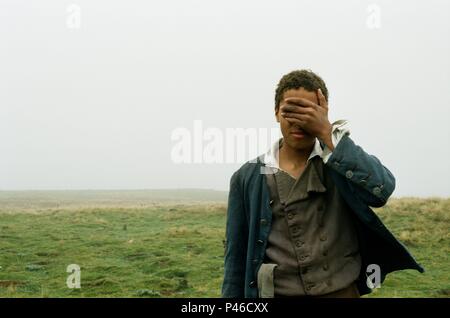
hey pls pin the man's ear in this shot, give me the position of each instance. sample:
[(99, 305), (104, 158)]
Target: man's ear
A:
[(277, 110)]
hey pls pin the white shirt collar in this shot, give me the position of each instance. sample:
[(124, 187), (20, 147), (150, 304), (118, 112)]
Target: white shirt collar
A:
[(270, 158), (340, 129)]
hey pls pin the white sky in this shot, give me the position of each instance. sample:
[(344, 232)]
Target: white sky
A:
[(95, 107)]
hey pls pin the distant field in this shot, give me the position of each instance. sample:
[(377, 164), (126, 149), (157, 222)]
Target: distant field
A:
[(40, 201), (167, 243)]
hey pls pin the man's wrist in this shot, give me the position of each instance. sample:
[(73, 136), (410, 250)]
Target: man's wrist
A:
[(326, 137)]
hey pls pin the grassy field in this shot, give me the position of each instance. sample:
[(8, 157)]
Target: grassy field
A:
[(170, 243)]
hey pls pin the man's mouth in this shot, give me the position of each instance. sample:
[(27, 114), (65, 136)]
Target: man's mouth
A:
[(298, 133)]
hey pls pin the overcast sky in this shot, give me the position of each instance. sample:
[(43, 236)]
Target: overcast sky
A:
[(92, 93)]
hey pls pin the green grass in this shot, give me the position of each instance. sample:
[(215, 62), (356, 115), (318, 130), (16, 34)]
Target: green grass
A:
[(423, 226), (173, 249)]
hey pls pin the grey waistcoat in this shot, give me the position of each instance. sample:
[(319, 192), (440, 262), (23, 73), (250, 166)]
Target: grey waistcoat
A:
[(312, 240)]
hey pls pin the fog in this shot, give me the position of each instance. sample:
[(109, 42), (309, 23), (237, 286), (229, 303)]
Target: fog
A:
[(92, 91)]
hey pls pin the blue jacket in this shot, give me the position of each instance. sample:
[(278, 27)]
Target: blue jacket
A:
[(361, 180)]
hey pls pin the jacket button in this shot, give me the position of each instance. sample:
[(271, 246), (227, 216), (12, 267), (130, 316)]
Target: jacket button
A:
[(252, 283), (363, 182), (323, 237), (271, 202), (349, 174), (376, 191), (303, 257), (260, 241), (263, 221), (290, 216), (299, 243)]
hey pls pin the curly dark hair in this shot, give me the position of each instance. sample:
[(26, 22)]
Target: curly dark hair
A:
[(299, 78)]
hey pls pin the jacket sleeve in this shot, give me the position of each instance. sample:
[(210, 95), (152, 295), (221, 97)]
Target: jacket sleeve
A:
[(236, 242), (369, 180)]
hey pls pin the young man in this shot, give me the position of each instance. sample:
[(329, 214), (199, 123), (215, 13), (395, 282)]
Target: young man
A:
[(299, 221)]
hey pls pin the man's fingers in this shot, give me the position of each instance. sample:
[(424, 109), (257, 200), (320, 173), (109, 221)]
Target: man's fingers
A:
[(300, 101), (302, 117), (296, 121), (322, 100), (295, 109)]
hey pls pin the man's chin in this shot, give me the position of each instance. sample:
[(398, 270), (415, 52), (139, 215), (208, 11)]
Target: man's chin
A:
[(300, 143)]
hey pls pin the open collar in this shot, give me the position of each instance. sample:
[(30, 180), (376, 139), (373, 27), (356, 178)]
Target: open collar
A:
[(271, 157)]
